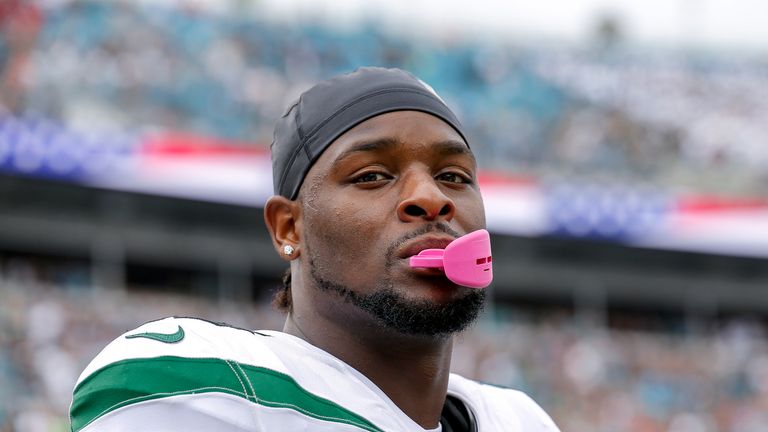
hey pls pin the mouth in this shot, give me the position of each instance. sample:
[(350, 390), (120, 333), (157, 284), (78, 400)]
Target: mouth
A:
[(417, 245)]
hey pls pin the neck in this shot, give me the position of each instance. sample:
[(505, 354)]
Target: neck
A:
[(411, 370)]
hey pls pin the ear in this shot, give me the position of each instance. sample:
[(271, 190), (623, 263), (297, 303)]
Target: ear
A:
[(283, 219)]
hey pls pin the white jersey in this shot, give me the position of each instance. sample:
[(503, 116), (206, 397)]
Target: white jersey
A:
[(191, 375)]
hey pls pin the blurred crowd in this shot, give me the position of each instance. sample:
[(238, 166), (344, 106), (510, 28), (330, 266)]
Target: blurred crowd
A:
[(661, 109), (589, 378), (143, 66)]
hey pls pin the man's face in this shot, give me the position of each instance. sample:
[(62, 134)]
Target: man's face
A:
[(388, 188)]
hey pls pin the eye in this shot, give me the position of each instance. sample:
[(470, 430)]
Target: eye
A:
[(369, 177), (453, 177)]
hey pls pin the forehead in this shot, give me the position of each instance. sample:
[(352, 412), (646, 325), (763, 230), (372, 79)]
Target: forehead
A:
[(405, 134)]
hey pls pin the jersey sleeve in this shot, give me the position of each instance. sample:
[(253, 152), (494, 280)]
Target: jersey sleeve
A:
[(500, 408), (191, 375), (533, 417), (160, 377), (192, 412)]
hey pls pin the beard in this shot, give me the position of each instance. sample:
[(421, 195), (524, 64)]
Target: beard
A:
[(407, 316)]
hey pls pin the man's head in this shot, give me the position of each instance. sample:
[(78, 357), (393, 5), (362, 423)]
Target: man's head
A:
[(370, 169)]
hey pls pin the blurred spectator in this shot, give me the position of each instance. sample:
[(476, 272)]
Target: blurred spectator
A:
[(20, 23)]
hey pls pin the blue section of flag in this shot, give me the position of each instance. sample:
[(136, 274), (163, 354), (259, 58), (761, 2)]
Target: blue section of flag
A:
[(617, 213), (43, 148)]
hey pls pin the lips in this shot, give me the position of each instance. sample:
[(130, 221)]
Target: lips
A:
[(414, 247)]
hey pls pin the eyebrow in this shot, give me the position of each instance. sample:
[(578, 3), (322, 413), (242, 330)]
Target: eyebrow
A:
[(445, 147)]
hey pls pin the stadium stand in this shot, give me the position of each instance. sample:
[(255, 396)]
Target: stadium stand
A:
[(590, 378), (129, 68), (547, 111)]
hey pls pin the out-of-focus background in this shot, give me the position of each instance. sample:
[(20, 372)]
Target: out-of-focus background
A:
[(624, 156)]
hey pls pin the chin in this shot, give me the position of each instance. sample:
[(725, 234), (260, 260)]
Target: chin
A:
[(434, 287)]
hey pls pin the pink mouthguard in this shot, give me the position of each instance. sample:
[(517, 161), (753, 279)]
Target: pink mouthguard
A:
[(466, 261)]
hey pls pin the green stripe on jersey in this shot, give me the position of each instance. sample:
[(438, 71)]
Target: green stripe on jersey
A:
[(136, 380)]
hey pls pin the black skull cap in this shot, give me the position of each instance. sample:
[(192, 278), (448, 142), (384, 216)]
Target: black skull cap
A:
[(332, 107)]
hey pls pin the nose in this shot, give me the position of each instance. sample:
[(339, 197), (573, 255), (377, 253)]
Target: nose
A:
[(422, 199)]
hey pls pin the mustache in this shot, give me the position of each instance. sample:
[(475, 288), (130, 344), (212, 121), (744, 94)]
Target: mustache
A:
[(431, 227)]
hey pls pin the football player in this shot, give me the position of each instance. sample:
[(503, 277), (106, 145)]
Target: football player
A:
[(370, 170)]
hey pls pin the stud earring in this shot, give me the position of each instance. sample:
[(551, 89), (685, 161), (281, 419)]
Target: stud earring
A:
[(288, 250)]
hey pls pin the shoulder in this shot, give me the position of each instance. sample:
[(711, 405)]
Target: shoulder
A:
[(168, 357), (175, 336), (500, 406), (192, 375)]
